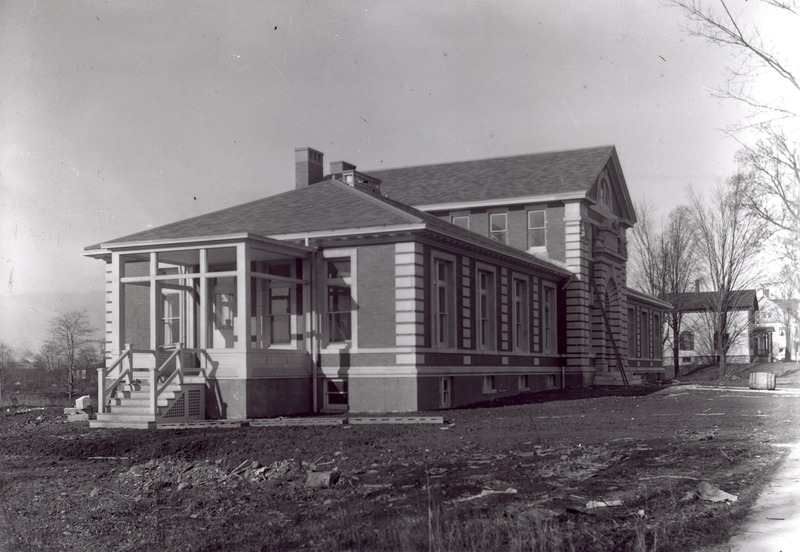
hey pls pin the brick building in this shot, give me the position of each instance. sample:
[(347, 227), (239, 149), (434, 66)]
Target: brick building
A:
[(396, 290)]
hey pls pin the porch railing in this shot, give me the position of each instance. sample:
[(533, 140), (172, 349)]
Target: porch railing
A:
[(104, 392), (160, 376)]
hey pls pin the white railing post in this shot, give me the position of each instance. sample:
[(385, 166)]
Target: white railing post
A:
[(179, 362), (130, 363), (101, 389), (153, 389)]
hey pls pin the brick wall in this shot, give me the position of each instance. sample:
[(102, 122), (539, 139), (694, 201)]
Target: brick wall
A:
[(376, 313)]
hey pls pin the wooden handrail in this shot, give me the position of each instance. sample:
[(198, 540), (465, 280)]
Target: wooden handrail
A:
[(156, 388), (104, 393), (177, 372)]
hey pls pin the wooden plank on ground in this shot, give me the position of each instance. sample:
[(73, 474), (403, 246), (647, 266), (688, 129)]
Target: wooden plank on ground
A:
[(200, 424), (395, 420), (278, 422)]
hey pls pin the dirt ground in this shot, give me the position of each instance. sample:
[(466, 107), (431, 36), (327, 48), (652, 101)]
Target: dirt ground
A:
[(499, 476)]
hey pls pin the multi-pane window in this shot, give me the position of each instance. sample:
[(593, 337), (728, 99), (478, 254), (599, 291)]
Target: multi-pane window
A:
[(520, 315), (280, 315), (656, 335), (686, 341), (549, 318), (445, 392), (645, 335), (171, 317), (536, 228), (274, 305), (461, 220), (443, 303), (336, 395), (498, 227), (339, 301), (486, 309), (632, 333)]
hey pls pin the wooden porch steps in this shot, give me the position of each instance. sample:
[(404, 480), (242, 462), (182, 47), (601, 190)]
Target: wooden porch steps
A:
[(130, 407)]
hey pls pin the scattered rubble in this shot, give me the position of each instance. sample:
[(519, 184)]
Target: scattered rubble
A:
[(483, 493), (712, 493), (168, 472), (83, 411), (592, 504)]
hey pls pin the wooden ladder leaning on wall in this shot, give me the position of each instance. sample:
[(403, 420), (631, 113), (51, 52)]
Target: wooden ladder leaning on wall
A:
[(621, 363)]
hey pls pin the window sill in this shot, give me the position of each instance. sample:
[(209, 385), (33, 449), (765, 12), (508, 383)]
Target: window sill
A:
[(490, 391)]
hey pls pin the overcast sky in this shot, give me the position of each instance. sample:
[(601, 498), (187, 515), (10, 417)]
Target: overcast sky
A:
[(119, 116)]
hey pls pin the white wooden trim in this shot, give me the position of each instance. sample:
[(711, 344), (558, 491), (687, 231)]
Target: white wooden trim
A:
[(392, 229), (241, 328), (453, 206), (203, 311)]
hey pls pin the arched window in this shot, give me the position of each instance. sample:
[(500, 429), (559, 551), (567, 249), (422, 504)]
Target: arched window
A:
[(604, 194)]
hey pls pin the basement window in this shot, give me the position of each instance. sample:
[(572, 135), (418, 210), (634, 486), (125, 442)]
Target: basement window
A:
[(335, 395), (489, 385), (522, 382), (445, 392)]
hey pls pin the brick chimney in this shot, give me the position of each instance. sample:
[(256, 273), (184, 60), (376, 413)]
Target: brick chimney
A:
[(307, 167), (341, 166)]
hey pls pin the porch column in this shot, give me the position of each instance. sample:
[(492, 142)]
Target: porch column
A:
[(242, 326), (153, 301), (203, 315), (115, 308)]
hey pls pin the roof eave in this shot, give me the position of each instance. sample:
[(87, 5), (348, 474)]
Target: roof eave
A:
[(110, 247)]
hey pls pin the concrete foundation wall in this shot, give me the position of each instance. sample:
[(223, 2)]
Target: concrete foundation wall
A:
[(383, 394), (239, 399)]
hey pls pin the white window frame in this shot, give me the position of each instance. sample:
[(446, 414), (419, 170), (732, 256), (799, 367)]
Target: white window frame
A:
[(686, 337), (263, 308), (489, 384), (549, 318), (486, 336), (520, 314), (350, 281), (495, 234), (464, 218), (345, 392), (543, 229), (443, 289)]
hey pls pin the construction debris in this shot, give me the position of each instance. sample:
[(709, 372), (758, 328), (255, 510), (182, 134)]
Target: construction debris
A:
[(323, 479), (592, 504), (711, 493), (483, 493), (167, 472), (83, 410)]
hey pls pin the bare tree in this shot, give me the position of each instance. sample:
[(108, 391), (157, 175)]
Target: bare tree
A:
[(664, 264), (773, 191), (717, 23), (69, 338), (729, 240), (7, 358)]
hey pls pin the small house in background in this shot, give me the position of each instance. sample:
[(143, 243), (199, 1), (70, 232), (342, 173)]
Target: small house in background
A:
[(746, 341), (780, 318), (408, 289)]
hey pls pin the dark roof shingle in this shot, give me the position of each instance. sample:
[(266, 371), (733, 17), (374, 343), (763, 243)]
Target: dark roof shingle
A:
[(325, 206), (503, 177), (702, 301)]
